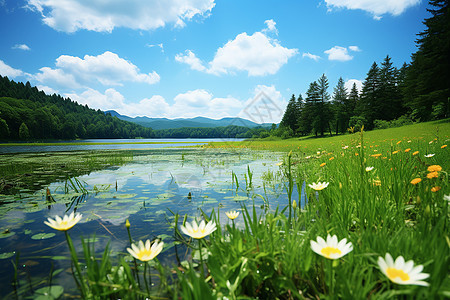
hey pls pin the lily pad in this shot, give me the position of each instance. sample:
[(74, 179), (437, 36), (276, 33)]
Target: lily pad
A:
[(6, 255), (6, 234), (43, 236), (52, 292)]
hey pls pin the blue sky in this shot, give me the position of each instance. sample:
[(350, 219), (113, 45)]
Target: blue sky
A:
[(187, 58)]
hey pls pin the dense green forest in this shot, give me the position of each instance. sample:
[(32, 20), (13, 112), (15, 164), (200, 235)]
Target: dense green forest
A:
[(416, 92), (27, 113), (230, 131)]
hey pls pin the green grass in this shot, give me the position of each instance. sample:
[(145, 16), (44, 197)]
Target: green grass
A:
[(269, 256), (380, 211), (421, 131)]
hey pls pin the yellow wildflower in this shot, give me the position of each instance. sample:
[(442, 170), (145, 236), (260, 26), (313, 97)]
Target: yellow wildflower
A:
[(416, 180), (435, 189), (434, 168), (415, 152), (323, 164), (432, 175)]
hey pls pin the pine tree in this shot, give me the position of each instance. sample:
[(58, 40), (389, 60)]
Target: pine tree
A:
[(353, 98), (368, 104), (309, 113), (24, 133), (427, 81), (291, 115), (389, 99), (4, 129), (340, 103), (324, 113)]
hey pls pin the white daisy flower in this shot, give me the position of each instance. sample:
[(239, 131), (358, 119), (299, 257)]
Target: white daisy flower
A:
[(232, 214), (198, 231), (331, 248), (318, 186), (65, 223), (146, 252), (402, 272)]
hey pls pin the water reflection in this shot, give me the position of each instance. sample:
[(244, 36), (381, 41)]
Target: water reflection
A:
[(146, 191)]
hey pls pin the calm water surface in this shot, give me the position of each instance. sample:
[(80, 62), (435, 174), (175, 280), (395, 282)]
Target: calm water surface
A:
[(110, 144), (145, 191)]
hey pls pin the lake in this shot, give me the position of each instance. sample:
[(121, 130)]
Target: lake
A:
[(146, 190), (105, 144)]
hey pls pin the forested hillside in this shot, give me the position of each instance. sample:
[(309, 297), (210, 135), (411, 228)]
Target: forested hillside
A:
[(27, 113)]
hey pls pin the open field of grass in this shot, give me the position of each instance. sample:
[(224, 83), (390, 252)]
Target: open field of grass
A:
[(417, 132)]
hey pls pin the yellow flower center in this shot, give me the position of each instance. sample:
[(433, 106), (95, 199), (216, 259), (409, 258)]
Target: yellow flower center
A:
[(196, 230), (144, 254), (327, 251), (392, 273)]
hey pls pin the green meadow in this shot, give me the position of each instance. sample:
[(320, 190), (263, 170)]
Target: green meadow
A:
[(386, 192)]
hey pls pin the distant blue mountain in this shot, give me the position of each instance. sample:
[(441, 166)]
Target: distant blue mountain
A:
[(164, 123)]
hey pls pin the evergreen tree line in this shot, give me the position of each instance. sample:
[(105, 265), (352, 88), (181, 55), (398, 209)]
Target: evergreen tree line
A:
[(416, 92), (231, 131), (27, 113)]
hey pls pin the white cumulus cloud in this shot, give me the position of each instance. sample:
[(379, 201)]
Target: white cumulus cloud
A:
[(107, 68), (377, 8), (256, 54), (104, 16), (114, 100), (6, 70), (270, 26), (349, 84), (311, 56), (341, 53), (265, 106), (190, 59), (21, 47), (202, 103), (48, 90)]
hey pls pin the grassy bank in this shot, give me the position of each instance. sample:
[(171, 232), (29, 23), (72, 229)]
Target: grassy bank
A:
[(421, 131)]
